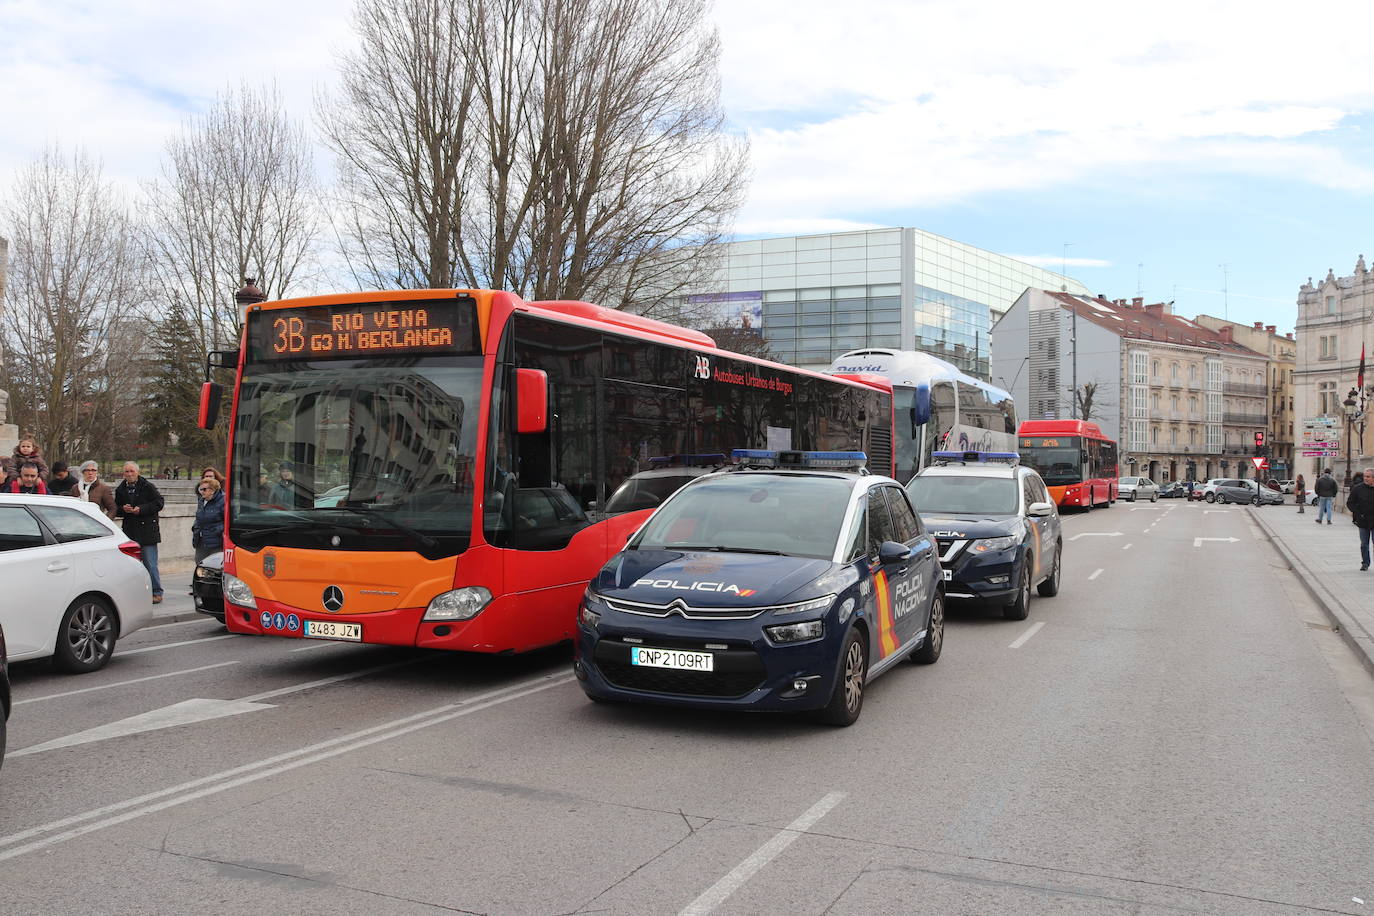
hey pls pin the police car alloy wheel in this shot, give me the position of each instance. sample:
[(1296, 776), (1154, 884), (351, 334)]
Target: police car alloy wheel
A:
[(847, 700), (1020, 608), (929, 652), (1050, 587)]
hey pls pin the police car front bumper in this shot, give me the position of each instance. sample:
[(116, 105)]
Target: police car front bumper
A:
[(990, 578), (748, 670)]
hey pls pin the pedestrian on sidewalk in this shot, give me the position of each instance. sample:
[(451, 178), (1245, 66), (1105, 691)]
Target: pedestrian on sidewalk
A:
[(27, 451), (139, 502), (94, 490), (61, 483), (28, 480), (1300, 492), (207, 532), (1326, 488), (1360, 502)]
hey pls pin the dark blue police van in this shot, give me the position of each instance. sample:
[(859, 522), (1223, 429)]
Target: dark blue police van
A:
[(783, 583), (996, 525)]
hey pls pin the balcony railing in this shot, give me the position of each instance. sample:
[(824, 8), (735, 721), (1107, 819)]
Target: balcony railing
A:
[(1244, 419), (1245, 389)]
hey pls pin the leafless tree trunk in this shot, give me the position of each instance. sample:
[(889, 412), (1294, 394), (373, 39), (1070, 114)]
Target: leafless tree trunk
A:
[(557, 148), (76, 284), (236, 199)]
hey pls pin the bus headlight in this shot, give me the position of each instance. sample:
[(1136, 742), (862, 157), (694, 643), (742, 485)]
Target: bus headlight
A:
[(459, 604), (236, 591)]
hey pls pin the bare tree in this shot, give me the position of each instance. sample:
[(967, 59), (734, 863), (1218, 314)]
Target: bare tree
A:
[(236, 198), (557, 148), (77, 272)]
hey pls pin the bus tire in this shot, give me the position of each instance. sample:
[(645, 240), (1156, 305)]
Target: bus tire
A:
[(1019, 609)]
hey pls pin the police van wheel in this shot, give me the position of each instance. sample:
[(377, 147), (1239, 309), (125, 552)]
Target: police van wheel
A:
[(929, 652), (847, 700), (1020, 608), (1050, 587)]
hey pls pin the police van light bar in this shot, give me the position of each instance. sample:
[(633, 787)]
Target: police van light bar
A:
[(770, 458), (687, 460), (1009, 457)]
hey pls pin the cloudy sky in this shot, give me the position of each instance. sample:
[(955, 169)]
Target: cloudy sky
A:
[(1173, 151)]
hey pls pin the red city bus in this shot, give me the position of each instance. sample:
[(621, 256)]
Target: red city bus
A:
[(429, 467), (1076, 461)]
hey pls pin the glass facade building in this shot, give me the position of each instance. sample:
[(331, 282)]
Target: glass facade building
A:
[(814, 297)]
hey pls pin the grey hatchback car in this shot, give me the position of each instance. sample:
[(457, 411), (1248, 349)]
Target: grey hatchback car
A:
[(1234, 490)]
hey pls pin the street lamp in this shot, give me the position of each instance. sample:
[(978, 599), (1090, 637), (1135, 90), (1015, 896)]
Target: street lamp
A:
[(1354, 404)]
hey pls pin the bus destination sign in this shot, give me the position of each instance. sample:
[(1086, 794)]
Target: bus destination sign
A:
[(407, 328), (1044, 442)]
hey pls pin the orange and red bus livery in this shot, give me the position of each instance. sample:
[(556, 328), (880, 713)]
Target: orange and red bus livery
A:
[(1077, 462)]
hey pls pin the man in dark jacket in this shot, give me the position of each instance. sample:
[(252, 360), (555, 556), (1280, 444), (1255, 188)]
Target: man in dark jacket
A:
[(1326, 490), (28, 480), (61, 483), (139, 502), (1360, 502)]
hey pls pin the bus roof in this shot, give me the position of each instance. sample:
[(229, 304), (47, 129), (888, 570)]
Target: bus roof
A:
[(1061, 428), (907, 368)]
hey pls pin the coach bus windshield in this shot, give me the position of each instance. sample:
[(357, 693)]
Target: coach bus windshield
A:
[(357, 455), (1057, 459)]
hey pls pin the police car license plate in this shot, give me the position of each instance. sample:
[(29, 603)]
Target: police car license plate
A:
[(330, 629), (948, 574), (672, 658)]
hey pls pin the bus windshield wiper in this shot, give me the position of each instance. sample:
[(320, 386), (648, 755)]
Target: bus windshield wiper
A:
[(417, 537)]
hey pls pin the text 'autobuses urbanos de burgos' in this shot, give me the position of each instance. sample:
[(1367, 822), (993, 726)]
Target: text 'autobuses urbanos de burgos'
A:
[(433, 467)]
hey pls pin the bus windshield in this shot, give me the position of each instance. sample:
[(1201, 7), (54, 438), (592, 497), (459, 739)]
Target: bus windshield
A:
[(374, 455), (1059, 465)]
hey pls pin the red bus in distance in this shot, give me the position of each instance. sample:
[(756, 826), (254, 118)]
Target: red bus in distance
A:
[(1077, 462), (435, 468)]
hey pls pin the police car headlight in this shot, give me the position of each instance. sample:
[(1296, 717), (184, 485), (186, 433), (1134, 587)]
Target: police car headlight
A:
[(815, 604), (459, 604), (236, 591), (983, 545), (796, 632), (586, 611)]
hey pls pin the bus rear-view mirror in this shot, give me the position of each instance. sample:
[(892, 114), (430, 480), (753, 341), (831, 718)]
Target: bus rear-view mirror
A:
[(211, 394), (531, 400), (920, 408)]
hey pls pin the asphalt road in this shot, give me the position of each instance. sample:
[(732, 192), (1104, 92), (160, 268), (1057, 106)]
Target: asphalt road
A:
[(1175, 732)]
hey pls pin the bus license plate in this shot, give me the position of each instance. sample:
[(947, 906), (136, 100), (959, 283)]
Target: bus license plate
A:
[(672, 658), (332, 629)]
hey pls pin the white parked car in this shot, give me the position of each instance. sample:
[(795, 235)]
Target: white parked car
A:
[(1134, 488), (73, 582)]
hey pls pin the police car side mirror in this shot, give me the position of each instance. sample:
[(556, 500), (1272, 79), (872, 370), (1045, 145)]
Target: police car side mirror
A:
[(1040, 510), (893, 552)]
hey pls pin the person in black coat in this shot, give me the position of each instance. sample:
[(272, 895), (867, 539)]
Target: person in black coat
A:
[(1360, 502), (138, 502)]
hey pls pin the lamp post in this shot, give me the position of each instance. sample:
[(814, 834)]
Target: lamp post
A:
[(1354, 405)]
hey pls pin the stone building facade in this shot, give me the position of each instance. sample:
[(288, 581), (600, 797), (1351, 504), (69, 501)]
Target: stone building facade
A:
[(1282, 351), (1332, 328), (1181, 399)]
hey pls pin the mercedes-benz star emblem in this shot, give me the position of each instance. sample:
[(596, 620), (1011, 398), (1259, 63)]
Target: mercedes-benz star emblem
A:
[(333, 599)]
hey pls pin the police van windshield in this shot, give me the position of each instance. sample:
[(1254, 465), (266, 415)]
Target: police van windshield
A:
[(964, 495), (793, 515)]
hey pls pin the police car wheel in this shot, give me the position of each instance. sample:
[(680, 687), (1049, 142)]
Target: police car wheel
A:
[(1020, 608), (1050, 587), (847, 699), (929, 652)]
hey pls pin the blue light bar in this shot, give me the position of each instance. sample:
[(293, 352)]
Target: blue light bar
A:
[(794, 459), (966, 457), (755, 457)]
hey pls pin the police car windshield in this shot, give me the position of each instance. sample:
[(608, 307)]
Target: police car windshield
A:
[(793, 515), (959, 495)]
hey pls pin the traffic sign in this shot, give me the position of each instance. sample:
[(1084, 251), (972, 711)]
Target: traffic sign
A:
[(1260, 463)]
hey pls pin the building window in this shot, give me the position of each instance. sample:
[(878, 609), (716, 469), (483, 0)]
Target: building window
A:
[(1154, 404), (1192, 407), (1173, 371), (1330, 305), (1192, 437), (1154, 435), (1154, 368), (1328, 346), (1173, 437), (1192, 373), (1327, 405)]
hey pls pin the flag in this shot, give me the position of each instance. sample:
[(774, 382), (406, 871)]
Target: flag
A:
[(1359, 382)]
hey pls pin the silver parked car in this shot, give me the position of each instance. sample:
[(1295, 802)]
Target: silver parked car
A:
[(1234, 490), (1134, 488)]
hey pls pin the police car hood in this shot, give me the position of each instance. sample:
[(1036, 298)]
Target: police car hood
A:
[(709, 578), (971, 526)]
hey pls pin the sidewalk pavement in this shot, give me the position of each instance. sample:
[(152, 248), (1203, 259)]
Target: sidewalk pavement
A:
[(1326, 558), (177, 604)]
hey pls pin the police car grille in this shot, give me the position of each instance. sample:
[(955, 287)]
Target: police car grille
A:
[(682, 683)]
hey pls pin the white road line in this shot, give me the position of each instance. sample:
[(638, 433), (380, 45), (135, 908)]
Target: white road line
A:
[(1096, 573), (1024, 637), (297, 688), (1127, 547), (717, 893), (137, 680), (318, 645), (173, 645), (261, 769)]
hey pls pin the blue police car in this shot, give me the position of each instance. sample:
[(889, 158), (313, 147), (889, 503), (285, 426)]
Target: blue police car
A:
[(784, 583), (996, 525)]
